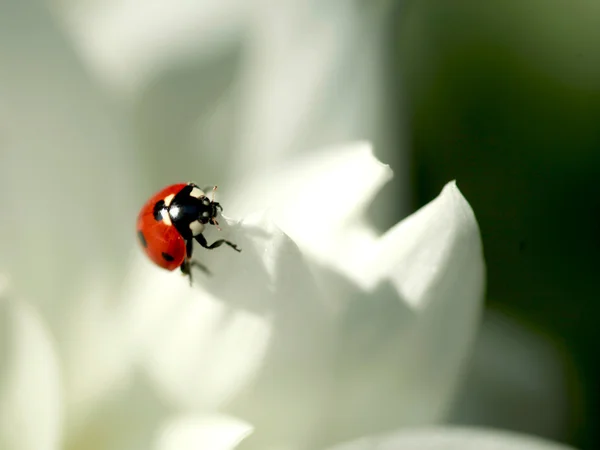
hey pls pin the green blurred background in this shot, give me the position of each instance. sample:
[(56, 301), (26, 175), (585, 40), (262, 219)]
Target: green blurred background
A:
[(504, 97)]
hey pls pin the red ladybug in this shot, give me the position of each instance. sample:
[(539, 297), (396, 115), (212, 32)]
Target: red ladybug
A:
[(169, 221)]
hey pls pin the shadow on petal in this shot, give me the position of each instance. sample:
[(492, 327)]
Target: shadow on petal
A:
[(253, 338)]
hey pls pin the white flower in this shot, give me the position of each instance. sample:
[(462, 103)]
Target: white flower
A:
[(323, 319), (320, 331), (65, 247), (221, 88), (280, 336)]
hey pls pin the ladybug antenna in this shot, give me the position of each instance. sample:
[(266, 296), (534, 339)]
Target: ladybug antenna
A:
[(213, 193)]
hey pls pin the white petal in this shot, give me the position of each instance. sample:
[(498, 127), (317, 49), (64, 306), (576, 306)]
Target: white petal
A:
[(404, 343), (434, 253), (254, 338), (30, 387), (97, 347), (123, 419), (451, 439), (128, 41), (195, 433), (198, 350), (319, 201), (314, 76), (65, 166), (204, 353), (408, 302)]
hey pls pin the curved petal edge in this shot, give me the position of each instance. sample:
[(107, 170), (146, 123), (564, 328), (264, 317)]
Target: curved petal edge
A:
[(451, 439)]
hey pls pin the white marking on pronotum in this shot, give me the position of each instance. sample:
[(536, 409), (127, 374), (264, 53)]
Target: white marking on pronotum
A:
[(196, 227), (166, 218), (169, 199), (197, 193)]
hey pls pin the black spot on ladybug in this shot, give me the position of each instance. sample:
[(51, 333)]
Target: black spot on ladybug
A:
[(142, 239), (159, 208), (167, 257)]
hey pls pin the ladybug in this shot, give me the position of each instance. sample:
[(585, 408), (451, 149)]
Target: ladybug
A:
[(171, 220)]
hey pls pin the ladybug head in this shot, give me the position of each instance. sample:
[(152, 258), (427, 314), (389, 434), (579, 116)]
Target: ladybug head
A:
[(214, 209), (190, 210)]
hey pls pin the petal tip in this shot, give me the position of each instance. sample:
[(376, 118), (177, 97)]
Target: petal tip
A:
[(367, 147), (453, 194)]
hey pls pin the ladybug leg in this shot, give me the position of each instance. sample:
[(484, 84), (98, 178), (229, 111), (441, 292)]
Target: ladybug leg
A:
[(202, 241), (188, 263), (186, 270)]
